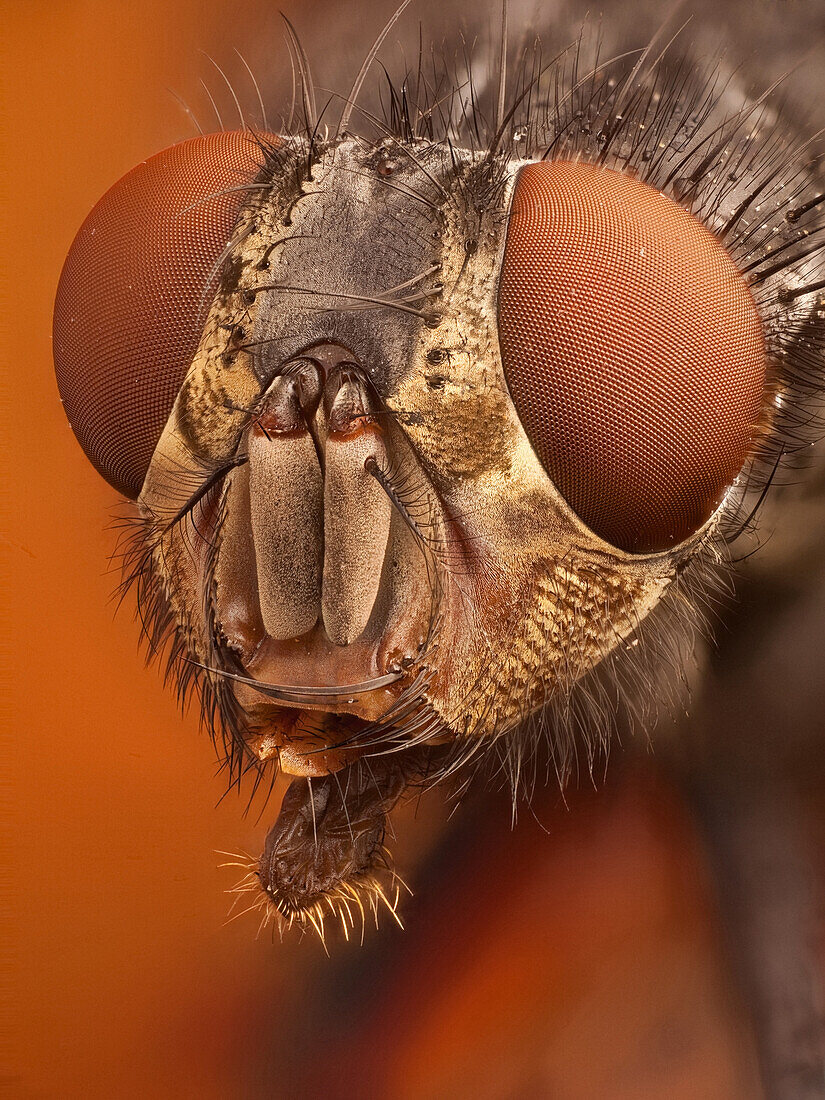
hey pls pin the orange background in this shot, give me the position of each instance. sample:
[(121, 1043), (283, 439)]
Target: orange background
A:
[(583, 964)]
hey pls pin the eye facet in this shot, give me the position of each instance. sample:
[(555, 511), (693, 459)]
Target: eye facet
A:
[(134, 291), (633, 351)]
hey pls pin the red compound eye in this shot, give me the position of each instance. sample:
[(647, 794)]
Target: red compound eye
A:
[(134, 293), (633, 351)]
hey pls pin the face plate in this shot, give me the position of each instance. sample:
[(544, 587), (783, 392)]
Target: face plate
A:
[(506, 598)]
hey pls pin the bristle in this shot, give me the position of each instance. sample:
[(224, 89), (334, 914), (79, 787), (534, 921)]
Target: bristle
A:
[(368, 889)]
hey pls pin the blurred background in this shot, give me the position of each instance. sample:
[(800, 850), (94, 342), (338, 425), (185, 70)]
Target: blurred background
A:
[(579, 955)]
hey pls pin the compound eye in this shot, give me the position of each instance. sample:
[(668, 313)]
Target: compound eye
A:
[(633, 351), (134, 294)]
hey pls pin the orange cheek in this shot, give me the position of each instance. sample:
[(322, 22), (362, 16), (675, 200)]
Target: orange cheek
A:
[(300, 741), (633, 351)]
